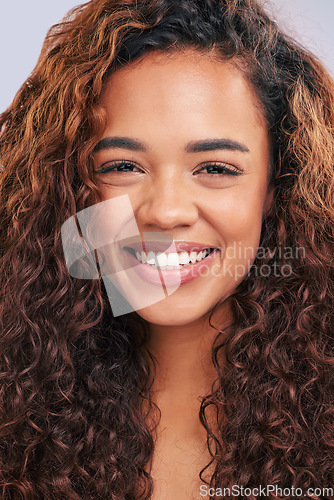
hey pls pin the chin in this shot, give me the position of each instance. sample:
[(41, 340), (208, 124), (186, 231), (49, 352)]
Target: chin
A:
[(165, 314)]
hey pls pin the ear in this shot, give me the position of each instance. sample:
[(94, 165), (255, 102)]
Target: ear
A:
[(268, 207)]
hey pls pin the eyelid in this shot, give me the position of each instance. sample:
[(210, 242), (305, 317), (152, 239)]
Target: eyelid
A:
[(113, 164), (230, 169), (227, 167)]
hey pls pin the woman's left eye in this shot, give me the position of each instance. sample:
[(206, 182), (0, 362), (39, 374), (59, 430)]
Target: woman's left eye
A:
[(219, 169)]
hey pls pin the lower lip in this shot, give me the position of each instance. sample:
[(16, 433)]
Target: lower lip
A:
[(171, 277)]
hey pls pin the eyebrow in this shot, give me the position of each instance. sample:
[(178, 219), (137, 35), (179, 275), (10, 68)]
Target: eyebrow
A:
[(214, 144), (120, 142), (191, 147)]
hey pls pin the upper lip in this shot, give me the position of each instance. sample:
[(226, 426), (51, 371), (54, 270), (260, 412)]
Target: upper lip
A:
[(164, 246)]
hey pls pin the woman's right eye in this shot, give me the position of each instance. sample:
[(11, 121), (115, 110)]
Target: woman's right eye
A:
[(118, 167)]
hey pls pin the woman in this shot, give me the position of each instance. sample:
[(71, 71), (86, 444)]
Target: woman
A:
[(217, 131)]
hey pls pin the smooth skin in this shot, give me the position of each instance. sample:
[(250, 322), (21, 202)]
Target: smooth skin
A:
[(169, 102)]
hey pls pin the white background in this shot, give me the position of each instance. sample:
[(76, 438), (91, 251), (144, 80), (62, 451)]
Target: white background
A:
[(24, 23)]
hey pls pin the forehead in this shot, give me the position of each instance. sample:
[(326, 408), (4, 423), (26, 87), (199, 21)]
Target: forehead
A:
[(187, 91)]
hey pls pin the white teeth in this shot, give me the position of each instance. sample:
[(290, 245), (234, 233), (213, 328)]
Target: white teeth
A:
[(193, 257), (201, 256), (171, 260), (150, 258), (162, 259), (184, 258)]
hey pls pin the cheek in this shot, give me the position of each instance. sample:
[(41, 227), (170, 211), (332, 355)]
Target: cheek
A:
[(238, 217), (109, 191)]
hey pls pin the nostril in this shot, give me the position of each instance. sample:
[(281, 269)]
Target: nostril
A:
[(167, 217)]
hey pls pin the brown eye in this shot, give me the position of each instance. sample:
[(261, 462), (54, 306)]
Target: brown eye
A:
[(118, 167), (219, 169)]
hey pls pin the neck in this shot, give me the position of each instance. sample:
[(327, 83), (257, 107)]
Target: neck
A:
[(185, 372), (183, 354)]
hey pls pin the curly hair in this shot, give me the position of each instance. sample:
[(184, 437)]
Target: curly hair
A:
[(75, 381)]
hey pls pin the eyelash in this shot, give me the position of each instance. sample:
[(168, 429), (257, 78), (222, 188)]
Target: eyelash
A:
[(113, 165), (224, 168)]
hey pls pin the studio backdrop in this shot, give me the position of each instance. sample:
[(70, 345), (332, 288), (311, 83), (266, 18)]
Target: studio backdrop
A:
[(23, 26)]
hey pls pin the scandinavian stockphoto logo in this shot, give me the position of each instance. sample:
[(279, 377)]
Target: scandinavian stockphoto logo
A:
[(104, 241), (109, 233)]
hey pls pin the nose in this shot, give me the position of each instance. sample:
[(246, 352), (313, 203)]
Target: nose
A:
[(166, 204)]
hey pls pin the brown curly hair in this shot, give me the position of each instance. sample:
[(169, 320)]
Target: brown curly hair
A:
[(74, 380)]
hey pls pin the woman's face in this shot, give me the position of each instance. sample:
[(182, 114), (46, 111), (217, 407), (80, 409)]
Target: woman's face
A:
[(194, 161)]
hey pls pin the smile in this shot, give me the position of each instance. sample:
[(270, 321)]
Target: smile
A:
[(155, 266), (172, 260)]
